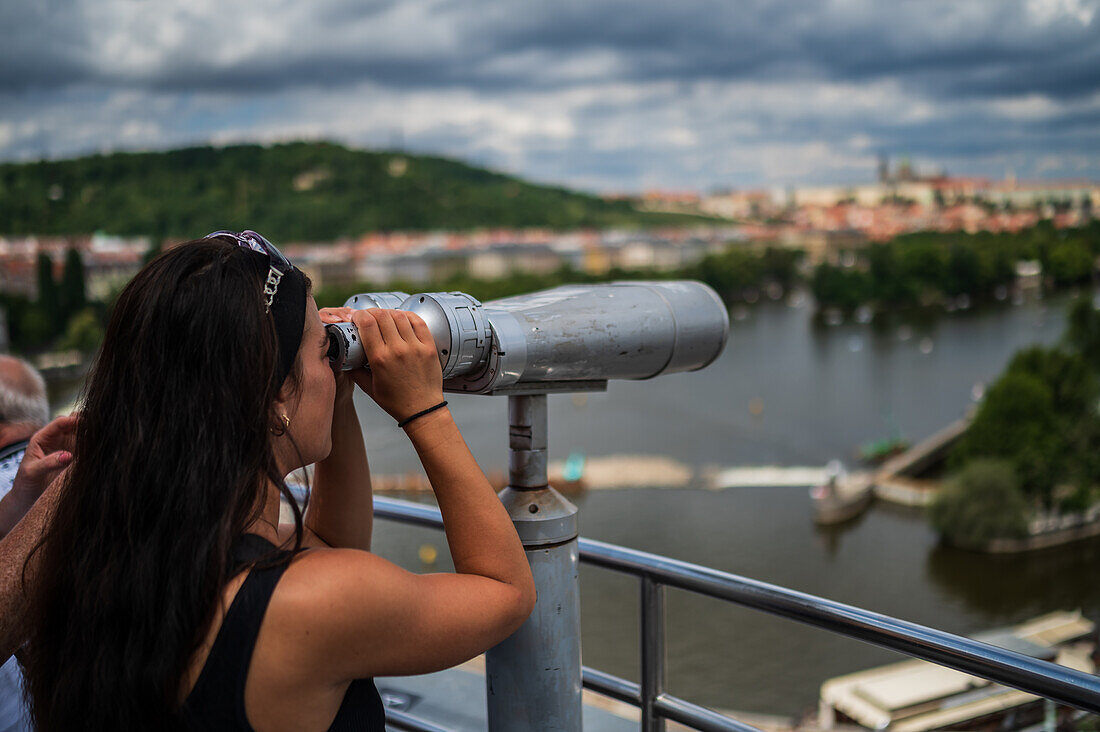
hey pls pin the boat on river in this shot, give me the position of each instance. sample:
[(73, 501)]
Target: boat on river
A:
[(918, 696), (842, 496)]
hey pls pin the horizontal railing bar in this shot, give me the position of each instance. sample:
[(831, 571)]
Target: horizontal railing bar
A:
[(1060, 683), (611, 686), (698, 717), (403, 721), (667, 705), (1056, 682), (408, 512)]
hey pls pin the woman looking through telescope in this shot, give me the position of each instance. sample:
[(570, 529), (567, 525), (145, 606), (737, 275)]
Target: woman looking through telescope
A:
[(166, 595)]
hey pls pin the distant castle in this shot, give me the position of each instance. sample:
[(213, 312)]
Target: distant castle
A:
[(904, 172)]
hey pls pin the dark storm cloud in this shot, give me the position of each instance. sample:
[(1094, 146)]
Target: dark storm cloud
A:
[(604, 92), (37, 51), (991, 47), (965, 48)]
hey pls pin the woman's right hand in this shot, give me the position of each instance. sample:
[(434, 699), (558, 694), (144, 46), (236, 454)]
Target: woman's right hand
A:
[(405, 375)]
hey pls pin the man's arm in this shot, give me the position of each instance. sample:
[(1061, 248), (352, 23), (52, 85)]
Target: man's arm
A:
[(14, 550), (24, 514)]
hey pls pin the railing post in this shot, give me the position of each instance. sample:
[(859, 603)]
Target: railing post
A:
[(533, 678), (653, 652)]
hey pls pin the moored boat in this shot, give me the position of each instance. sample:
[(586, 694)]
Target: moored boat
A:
[(842, 496)]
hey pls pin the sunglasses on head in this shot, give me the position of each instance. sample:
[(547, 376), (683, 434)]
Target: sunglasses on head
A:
[(278, 264)]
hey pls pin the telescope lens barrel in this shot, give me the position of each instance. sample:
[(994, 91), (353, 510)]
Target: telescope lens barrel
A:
[(458, 325), (377, 300), (621, 330)]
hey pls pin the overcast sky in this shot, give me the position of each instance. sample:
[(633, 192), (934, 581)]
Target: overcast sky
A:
[(596, 94)]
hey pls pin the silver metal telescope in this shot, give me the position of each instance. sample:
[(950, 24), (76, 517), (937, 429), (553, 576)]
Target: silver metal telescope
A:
[(569, 338)]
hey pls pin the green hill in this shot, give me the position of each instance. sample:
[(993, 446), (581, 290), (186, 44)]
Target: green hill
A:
[(297, 191)]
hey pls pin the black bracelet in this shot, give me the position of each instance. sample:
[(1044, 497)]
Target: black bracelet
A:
[(429, 410)]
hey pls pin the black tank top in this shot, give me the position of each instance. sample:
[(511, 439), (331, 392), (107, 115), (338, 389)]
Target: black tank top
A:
[(217, 700)]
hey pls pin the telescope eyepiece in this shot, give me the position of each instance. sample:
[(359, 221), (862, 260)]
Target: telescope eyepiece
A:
[(345, 350), (336, 349)]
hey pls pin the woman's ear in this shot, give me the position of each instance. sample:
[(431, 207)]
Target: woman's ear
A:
[(282, 408)]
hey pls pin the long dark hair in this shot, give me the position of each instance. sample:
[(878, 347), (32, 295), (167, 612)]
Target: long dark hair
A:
[(172, 456)]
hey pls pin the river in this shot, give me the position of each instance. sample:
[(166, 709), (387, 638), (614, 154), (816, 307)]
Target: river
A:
[(823, 391)]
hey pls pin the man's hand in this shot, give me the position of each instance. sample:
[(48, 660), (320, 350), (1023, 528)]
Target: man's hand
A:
[(50, 451), (48, 454)]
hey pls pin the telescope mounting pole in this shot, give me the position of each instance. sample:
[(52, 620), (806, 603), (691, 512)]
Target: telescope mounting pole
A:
[(533, 678)]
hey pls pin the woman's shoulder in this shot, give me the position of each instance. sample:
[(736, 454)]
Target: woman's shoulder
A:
[(330, 601)]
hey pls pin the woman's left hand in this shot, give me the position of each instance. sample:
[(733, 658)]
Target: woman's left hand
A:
[(335, 315)]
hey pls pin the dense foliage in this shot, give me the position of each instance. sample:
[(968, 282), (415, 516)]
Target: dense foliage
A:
[(1017, 422), (932, 267), (60, 316), (306, 191), (980, 503), (1040, 420)]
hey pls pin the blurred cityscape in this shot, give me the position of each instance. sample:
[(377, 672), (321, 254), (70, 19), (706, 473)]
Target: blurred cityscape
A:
[(821, 221)]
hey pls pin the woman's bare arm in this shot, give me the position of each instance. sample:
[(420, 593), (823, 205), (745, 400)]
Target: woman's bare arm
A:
[(341, 505)]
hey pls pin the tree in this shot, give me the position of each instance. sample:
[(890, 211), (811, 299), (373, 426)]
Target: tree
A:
[(1068, 375), (71, 298), (152, 253), (981, 503), (1070, 261), (781, 266), (840, 288), (83, 333), (47, 286), (1083, 330), (731, 272), (36, 327), (1017, 422), (923, 262), (963, 271)]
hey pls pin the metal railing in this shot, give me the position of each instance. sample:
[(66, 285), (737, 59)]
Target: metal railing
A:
[(1055, 682)]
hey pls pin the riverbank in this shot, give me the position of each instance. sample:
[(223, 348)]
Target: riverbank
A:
[(1044, 532), (621, 472)]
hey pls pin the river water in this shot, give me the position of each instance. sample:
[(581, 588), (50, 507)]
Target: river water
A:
[(823, 391)]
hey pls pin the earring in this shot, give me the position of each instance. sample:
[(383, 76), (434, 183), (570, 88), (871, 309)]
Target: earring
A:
[(285, 427)]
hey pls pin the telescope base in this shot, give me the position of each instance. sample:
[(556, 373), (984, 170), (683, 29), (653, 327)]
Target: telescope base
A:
[(533, 678)]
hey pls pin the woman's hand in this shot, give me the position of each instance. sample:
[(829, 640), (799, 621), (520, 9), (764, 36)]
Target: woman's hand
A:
[(404, 376)]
